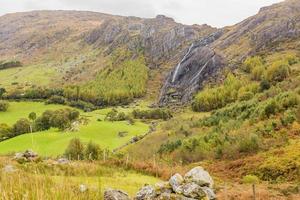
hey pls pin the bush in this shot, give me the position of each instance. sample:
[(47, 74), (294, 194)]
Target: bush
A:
[(85, 106), (75, 150), (278, 71), (218, 97), (249, 144), (251, 63), (114, 115), (169, 147), (6, 132), (55, 99), (44, 122), (264, 85), (22, 126), (152, 114), (92, 151), (3, 106), (250, 179), (61, 119), (9, 64), (257, 73)]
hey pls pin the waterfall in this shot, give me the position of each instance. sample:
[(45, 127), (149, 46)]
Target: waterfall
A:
[(179, 64)]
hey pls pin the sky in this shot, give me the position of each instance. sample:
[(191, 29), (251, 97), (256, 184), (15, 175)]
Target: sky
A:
[(217, 13)]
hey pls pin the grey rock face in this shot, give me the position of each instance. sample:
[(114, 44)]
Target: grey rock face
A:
[(115, 195), (198, 65), (146, 193), (199, 176), (176, 182)]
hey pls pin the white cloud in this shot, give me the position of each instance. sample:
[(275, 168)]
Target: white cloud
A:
[(214, 12)]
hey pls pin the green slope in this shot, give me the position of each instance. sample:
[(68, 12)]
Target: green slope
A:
[(53, 142)]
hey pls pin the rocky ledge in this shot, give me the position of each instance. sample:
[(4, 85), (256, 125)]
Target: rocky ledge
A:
[(196, 184)]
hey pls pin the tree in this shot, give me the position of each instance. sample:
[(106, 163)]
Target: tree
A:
[(32, 116), (92, 151), (2, 91), (3, 106), (278, 71), (75, 150), (253, 180), (21, 126)]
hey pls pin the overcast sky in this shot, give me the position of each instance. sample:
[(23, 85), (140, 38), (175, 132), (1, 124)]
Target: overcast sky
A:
[(213, 12)]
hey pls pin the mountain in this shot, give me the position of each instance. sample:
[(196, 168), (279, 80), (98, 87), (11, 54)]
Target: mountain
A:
[(229, 47), (72, 47)]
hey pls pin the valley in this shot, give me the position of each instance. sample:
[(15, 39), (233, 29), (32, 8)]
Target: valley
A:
[(92, 101)]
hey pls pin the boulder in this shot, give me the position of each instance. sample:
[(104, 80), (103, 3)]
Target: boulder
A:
[(209, 193), (63, 161), (176, 182), (83, 188), (146, 193), (168, 196), (27, 156), (199, 176), (163, 188), (111, 194), (193, 190), (9, 169)]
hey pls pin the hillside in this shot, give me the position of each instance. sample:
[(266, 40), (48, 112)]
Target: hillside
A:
[(61, 53), (156, 97)]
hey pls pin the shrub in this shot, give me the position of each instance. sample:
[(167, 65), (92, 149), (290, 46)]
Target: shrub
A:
[(92, 151), (245, 95), (114, 115), (249, 144), (75, 150), (169, 147), (44, 122), (55, 99), (257, 73), (3, 106), (298, 114), (288, 118), (152, 114), (2, 92), (278, 71), (9, 64), (250, 179), (251, 63), (214, 98), (21, 126), (61, 119), (85, 106), (6, 132), (264, 85)]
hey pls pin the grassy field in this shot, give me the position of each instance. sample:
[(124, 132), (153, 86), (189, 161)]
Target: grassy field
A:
[(50, 181), (32, 75), (53, 142)]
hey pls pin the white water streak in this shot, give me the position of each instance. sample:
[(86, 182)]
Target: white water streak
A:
[(179, 64)]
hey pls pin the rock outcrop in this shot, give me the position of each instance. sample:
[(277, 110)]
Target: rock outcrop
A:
[(230, 46), (196, 184), (27, 156), (199, 64)]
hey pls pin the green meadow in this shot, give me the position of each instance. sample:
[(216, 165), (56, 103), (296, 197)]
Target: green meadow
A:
[(54, 142)]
